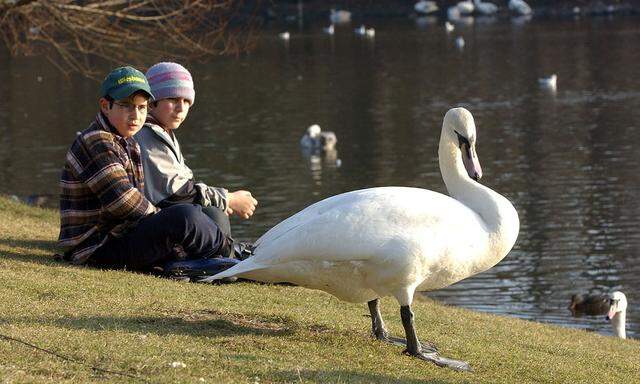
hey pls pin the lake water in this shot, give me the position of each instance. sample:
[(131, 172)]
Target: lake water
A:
[(568, 160)]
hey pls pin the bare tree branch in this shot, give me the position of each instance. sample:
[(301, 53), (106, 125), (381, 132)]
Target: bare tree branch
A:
[(69, 32)]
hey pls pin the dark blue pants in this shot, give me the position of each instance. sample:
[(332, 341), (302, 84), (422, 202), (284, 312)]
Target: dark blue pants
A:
[(153, 241)]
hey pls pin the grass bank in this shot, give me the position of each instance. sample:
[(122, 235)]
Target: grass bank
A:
[(134, 327)]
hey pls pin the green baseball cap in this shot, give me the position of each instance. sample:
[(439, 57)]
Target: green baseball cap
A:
[(123, 82)]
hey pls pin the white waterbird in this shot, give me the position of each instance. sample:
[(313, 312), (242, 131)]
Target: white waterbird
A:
[(485, 7), (519, 7), (394, 241), (424, 7), (549, 81), (316, 138)]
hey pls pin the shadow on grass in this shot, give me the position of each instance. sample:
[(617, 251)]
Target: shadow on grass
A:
[(344, 376), (213, 325), (47, 247)]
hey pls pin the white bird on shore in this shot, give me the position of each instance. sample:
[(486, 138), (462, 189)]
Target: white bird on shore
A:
[(459, 42), (548, 82), (316, 138), (519, 7), (393, 241), (485, 8), (284, 35), (424, 7), (340, 16)]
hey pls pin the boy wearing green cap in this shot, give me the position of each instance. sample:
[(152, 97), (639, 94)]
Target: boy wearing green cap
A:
[(105, 219)]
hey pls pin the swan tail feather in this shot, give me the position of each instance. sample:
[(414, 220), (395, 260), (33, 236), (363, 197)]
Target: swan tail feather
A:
[(245, 266)]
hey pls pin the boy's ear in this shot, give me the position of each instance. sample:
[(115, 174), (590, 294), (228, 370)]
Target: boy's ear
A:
[(104, 104)]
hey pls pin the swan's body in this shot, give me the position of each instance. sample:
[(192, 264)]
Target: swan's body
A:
[(485, 8), (519, 7), (614, 305), (317, 139), (393, 241), (424, 7), (549, 82)]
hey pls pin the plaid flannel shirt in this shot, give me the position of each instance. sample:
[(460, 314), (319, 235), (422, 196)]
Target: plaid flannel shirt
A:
[(102, 183)]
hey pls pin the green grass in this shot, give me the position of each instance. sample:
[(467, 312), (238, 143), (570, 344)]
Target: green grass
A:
[(251, 333)]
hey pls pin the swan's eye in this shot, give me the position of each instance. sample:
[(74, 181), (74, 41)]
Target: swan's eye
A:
[(464, 141)]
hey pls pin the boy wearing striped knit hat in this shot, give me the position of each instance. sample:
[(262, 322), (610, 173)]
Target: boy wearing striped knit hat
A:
[(168, 179)]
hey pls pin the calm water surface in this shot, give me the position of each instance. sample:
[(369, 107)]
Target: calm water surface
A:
[(568, 160)]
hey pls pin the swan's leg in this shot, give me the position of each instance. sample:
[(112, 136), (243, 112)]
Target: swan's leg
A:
[(414, 348), (377, 324)]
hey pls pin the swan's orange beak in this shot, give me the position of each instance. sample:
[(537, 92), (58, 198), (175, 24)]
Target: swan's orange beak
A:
[(471, 161)]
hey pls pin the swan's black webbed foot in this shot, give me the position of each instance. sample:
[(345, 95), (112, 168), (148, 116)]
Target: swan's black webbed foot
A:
[(427, 352), (434, 357)]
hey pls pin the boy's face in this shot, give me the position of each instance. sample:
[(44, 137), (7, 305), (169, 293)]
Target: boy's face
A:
[(171, 112), (127, 115)]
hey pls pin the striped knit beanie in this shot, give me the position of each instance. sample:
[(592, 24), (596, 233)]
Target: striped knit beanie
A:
[(169, 80)]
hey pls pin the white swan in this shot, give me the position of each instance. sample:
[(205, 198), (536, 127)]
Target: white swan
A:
[(614, 305), (317, 139), (618, 314), (519, 7), (485, 8), (549, 82), (393, 241), (424, 7)]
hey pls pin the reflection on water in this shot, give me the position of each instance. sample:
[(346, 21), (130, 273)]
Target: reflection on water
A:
[(566, 159)]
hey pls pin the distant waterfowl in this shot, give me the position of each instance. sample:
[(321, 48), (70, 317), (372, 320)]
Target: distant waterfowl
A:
[(453, 13), (485, 8), (364, 31), (284, 35), (465, 8), (316, 138), (459, 42), (592, 305), (347, 245), (614, 305), (519, 7), (339, 16), (426, 7), (330, 30), (448, 26), (548, 82)]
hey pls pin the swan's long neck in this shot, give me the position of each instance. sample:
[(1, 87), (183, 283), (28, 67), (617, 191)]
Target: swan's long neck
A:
[(498, 215), (619, 323)]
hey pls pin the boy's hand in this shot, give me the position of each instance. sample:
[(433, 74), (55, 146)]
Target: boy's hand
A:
[(241, 203)]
